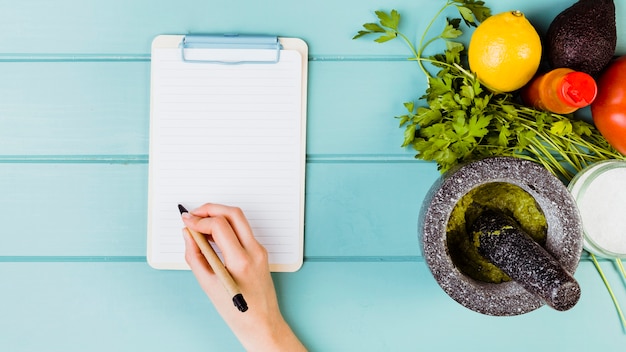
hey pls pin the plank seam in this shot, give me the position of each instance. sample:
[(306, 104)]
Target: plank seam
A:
[(142, 259), (143, 158), (139, 57)]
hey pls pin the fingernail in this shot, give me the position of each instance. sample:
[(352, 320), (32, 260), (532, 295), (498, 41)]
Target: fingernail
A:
[(186, 215)]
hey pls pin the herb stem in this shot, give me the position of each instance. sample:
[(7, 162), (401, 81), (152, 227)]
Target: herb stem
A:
[(538, 148), (572, 148), (620, 265), (463, 70), (411, 46), (608, 286), (547, 159), (441, 63), (418, 54), (421, 60)]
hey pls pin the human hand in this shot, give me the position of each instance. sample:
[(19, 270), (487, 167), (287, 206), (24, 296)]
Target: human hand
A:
[(262, 327)]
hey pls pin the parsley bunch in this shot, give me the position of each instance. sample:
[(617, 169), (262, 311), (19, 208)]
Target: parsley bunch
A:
[(464, 121)]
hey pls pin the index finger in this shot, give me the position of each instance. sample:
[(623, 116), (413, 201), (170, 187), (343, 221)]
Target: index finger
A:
[(235, 217), (222, 233)]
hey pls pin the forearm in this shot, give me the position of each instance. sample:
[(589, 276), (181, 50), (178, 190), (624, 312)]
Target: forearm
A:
[(278, 337), (261, 327)]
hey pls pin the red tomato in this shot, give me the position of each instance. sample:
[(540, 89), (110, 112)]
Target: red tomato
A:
[(608, 110)]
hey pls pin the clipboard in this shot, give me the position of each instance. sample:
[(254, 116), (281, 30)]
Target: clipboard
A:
[(228, 126)]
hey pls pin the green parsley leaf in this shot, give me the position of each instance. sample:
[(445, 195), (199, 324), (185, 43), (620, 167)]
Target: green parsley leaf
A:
[(467, 14), (374, 27), (409, 135), (387, 37), (478, 125), (503, 136), (426, 117), (581, 128), (561, 128), (451, 30), (478, 9), (389, 20)]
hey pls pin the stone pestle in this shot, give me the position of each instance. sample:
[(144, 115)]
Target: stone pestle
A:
[(501, 241)]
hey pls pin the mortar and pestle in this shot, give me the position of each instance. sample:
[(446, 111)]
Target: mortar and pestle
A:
[(524, 226)]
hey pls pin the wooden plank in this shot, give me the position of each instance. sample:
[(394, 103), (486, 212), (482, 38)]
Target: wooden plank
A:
[(332, 307), (84, 209), (123, 27), (353, 105), (73, 209), (81, 109), (102, 108), (363, 209)]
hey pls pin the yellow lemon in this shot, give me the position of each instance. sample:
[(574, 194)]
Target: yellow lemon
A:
[(505, 51)]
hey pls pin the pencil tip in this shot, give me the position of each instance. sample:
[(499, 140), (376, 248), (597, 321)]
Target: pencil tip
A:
[(182, 209)]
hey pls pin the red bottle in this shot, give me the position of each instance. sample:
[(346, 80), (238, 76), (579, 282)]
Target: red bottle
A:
[(561, 91)]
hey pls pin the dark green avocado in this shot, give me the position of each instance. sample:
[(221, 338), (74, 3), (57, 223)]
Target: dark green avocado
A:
[(583, 36)]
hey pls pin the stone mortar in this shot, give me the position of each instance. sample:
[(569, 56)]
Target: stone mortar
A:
[(564, 235)]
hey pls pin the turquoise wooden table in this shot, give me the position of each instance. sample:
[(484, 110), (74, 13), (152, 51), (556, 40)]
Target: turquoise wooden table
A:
[(74, 115)]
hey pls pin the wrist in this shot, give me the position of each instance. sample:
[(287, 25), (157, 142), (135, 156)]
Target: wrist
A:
[(274, 336)]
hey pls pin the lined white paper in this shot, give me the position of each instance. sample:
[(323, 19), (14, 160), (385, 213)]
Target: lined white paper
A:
[(229, 134)]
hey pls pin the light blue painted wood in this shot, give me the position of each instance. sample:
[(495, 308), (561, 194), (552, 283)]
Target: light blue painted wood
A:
[(123, 27), (67, 108), (332, 306), (106, 307), (352, 208), (74, 82), (87, 27), (365, 209), (113, 100), (351, 107), (73, 209)]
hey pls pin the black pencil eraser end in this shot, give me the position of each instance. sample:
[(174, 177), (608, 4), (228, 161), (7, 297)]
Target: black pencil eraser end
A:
[(240, 302)]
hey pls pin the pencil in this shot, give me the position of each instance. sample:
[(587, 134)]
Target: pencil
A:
[(218, 267)]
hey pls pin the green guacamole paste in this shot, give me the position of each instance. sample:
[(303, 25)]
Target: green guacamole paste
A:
[(504, 197)]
